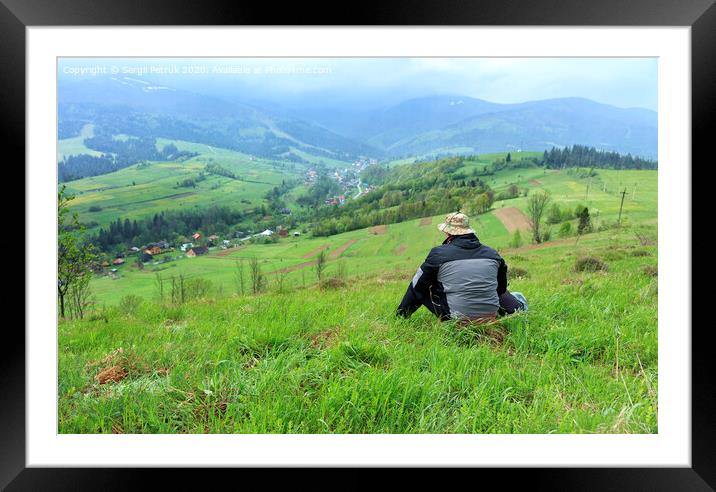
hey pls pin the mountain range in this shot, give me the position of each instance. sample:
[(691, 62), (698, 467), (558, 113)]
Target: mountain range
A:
[(446, 124)]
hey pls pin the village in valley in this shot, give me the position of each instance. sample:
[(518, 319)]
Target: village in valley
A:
[(348, 179), (162, 251)]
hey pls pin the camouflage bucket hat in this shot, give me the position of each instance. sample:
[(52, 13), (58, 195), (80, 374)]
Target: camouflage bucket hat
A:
[(456, 224)]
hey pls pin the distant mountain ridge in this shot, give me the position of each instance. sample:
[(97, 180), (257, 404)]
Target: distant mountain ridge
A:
[(441, 123), (444, 124), (124, 105)]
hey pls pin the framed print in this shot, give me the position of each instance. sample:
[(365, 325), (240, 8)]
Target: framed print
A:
[(425, 237)]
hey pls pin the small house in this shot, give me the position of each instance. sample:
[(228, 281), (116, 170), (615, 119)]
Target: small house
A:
[(134, 249), (267, 232), (196, 236), (197, 251), (283, 233), (296, 233), (146, 257), (153, 250), (227, 243), (213, 238), (118, 261)]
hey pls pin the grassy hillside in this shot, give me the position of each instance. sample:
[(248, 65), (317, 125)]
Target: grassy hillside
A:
[(583, 359), (141, 191), (398, 245), (304, 358)]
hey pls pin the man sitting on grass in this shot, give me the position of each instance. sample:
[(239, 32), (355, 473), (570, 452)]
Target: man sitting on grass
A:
[(462, 279)]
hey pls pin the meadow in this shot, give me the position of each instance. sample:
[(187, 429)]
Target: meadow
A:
[(305, 357), (396, 246), (336, 359), (142, 190)]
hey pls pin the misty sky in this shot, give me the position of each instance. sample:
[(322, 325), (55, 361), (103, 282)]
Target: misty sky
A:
[(374, 82)]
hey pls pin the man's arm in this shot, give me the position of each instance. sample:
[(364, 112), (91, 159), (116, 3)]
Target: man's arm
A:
[(419, 287), (427, 274), (502, 277)]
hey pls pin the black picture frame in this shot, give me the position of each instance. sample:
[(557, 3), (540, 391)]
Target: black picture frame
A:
[(16, 15)]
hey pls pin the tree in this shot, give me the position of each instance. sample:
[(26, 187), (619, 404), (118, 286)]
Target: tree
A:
[(536, 206), (239, 276), (516, 239), (75, 258), (585, 222), (160, 286), (483, 202), (320, 264), (256, 276)]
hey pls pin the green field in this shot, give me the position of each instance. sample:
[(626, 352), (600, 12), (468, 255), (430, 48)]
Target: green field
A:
[(303, 359), (140, 191), (402, 245), (76, 146), (583, 359)]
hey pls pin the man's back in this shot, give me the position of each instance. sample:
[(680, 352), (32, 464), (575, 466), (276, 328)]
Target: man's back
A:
[(460, 279), (467, 276)]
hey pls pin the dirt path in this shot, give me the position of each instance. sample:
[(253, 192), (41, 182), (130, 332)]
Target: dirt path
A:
[(340, 249), (314, 252), (536, 182), (426, 221), (400, 249), (224, 252), (513, 219), (380, 229), (293, 268)]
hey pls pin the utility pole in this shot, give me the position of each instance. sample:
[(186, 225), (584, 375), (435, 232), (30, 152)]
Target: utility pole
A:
[(619, 220)]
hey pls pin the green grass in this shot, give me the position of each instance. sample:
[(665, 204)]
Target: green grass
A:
[(139, 191), (76, 146), (302, 359), (582, 360), (404, 245)]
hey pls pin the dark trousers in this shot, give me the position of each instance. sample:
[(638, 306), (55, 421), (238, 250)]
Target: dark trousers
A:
[(413, 299)]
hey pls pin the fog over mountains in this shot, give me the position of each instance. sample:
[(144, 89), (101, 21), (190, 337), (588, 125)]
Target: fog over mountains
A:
[(431, 125)]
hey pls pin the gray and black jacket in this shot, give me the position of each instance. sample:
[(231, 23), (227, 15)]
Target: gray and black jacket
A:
[(462, 278)]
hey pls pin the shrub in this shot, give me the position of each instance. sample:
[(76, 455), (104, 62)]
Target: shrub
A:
[(516, 239), (590, 264), (130, 304), (640, 252), (197, 288), (517, 272), (555, 214), (585, 222), (565, 229), (333, 283)]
